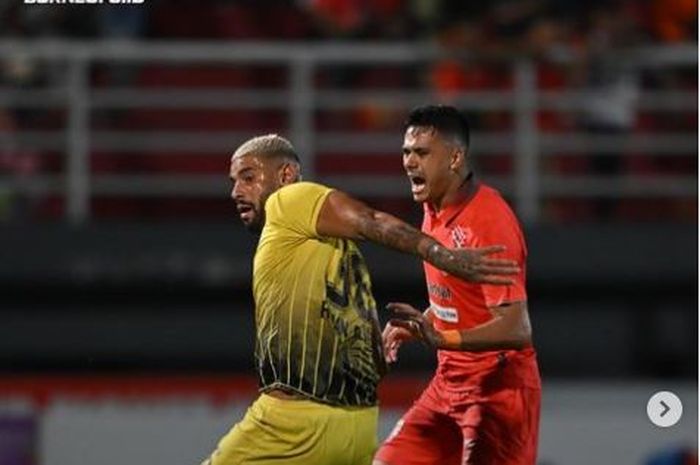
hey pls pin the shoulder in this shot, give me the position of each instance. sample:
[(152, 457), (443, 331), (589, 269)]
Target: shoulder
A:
[(301, 189), (490, 204), (490, 197), (491, 214), (296, 207), (298, 192)]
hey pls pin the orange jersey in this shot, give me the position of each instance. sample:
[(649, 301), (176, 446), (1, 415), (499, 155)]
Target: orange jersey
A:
[(482, 220)]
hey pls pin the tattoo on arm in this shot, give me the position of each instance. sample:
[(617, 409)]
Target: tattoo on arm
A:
[(441, 257), (388, 230)]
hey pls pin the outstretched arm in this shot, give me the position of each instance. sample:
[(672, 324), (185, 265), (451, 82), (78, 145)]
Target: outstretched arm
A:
[(345, 217)]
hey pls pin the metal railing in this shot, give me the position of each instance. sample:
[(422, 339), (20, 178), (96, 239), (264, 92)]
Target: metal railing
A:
[(301, 100)]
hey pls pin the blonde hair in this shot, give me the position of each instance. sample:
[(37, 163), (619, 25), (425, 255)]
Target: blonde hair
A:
[(269, 144)]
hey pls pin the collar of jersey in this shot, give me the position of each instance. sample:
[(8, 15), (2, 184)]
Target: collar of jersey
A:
[(450, 211)]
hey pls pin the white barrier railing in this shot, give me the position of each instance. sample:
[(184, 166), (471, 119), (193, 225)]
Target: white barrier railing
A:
[(301, 99)]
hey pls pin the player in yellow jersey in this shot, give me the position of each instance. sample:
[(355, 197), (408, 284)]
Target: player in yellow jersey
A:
[(318, 343)]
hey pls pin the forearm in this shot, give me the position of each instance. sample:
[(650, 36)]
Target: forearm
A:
[(387, 230), (507, 331), (345, 217)]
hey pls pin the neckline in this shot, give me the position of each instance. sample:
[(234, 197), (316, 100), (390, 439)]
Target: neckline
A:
[(468, 190)]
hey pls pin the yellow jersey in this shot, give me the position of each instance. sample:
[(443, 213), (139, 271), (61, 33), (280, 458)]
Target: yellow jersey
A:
[(317, 331)]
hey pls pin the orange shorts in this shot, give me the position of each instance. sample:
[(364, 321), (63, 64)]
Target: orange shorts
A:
[(466, 427)]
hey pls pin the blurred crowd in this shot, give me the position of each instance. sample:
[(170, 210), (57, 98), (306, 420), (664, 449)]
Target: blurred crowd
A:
[(480, 39), (499, 25)]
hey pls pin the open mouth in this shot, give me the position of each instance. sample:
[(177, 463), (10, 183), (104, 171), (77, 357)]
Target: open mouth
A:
[(245, 211), (417, 184)]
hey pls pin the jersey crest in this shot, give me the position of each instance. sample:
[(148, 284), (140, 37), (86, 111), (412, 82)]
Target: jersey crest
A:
[(460, 236)]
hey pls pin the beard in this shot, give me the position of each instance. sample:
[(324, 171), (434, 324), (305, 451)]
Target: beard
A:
[(255, 226), (257, 223)]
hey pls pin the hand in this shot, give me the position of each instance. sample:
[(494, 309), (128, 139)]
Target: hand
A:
[(415, 323), (473, 264), (392, 338)]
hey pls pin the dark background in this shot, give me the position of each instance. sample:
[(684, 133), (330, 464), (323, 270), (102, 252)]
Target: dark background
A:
[(148, 282)]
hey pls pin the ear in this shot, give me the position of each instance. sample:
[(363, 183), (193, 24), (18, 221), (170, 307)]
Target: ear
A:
[(288, 173), (458, 159)]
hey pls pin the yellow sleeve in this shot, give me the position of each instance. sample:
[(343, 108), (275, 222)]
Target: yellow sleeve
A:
[(296, 207)]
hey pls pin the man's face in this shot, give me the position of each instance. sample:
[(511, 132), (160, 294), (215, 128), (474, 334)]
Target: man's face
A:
[(254, 179), (426, 159)]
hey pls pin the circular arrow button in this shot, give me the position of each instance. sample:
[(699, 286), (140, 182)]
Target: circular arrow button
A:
[(664, 409)]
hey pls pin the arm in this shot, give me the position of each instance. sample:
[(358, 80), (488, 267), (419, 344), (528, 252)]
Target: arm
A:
[(509, 329), (345, 217)]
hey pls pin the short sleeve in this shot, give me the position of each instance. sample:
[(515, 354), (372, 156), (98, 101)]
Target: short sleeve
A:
[(296, 207), (502, 228)]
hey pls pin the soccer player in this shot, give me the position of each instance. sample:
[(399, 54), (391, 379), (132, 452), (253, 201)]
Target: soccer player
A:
[(482, 406), (318, 343)]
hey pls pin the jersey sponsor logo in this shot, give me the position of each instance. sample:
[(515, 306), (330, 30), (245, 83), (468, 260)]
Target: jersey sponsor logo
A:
[(447, 314), (439, 291)]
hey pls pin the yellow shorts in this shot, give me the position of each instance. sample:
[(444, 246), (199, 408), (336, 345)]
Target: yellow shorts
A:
[(299, 432)]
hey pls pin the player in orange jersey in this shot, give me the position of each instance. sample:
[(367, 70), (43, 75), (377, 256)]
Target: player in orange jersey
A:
[(482, 406)]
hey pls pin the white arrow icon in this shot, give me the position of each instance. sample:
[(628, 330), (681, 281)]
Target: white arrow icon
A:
[(664, 409)]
